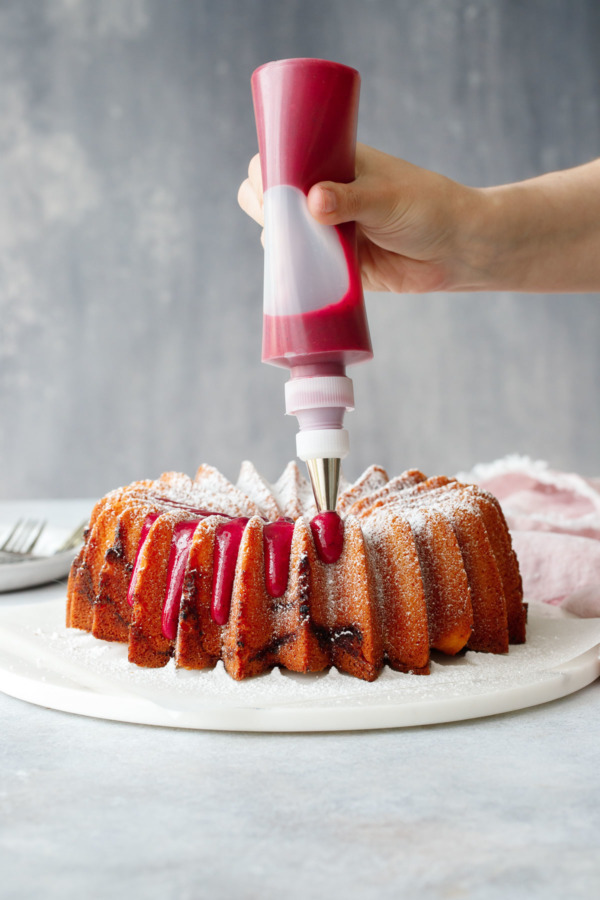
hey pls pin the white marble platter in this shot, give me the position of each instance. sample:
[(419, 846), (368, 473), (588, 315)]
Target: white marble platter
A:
[(45, 663)]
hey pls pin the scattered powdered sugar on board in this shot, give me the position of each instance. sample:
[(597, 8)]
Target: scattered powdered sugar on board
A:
[(102, 665)]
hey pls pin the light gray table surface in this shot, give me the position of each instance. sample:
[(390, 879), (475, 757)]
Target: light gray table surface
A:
[(506, 806)]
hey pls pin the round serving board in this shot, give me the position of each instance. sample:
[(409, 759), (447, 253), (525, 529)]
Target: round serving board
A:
[(45, 663)]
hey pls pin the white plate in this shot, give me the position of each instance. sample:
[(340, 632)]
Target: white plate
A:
[(45, 663), (46, 566), (40, 570)]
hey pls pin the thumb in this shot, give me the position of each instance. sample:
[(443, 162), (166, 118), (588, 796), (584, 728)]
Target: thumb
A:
[(331, 203)]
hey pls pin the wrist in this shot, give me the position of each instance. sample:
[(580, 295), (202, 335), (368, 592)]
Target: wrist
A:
[(536, 235), (486, 245)]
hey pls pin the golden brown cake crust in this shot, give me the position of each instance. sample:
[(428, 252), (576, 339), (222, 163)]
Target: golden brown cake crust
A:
[(426, 563)]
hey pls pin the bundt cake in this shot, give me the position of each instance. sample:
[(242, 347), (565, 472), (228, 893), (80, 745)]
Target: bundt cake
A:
[(204, 570)]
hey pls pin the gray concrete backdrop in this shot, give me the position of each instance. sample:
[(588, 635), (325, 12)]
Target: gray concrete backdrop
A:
[(131, 284)]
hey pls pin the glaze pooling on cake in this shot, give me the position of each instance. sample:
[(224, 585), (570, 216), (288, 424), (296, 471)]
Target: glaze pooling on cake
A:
[(205, 570)]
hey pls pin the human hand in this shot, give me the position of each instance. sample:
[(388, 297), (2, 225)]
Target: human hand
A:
[(418, 231), (412, 224)]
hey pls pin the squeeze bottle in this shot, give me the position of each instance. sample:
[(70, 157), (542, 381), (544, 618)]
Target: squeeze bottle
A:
[(314, 320)]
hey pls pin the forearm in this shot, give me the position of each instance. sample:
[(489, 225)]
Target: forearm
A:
[(537, 235)]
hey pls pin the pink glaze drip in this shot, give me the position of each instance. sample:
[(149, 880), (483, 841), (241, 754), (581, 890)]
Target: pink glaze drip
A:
[(328, 534), (277, 538), (183, 534), (148, 523), (227, 544)]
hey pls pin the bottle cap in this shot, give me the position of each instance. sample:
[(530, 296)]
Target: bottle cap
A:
[(318, 392)]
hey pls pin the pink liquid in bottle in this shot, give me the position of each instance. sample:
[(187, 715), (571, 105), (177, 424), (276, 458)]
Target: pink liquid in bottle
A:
[(314, 314)]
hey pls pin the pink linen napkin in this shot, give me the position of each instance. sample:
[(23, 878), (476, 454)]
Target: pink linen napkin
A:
[(554, 518)]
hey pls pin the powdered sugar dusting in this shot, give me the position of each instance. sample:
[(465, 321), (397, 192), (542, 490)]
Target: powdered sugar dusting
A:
[(104, 666), (251, 483), (213, 488), (294, 494), (372, 478)]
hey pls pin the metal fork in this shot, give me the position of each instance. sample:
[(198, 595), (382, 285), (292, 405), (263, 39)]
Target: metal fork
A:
[(74, 539), (22, 539)]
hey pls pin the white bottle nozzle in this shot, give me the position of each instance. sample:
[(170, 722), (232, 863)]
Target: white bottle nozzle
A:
[(323, 443)]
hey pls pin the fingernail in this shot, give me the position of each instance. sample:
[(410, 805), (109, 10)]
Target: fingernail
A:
[(328, 200)]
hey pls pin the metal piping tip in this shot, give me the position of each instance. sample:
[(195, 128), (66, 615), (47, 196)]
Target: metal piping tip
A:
[(325, 480)]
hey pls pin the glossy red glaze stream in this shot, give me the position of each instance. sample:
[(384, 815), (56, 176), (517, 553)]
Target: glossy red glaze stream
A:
[(148, 523), (277, 539), (328, 534), (227, 544), (183, 534)]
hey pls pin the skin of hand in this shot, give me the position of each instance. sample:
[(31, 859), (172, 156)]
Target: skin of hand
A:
[(404, 216), (418, 231)]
